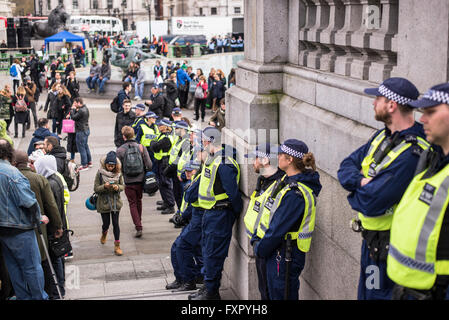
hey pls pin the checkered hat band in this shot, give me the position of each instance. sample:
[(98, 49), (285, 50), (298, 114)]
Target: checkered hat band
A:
[(291, 152), (204, 137), (438, 96), (393, 96), (261, 154)]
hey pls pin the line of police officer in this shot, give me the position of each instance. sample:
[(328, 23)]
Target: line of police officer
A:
[(397, 182)]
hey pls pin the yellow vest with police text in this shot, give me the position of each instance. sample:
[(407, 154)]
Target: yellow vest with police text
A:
[(370, 169), (149, 135), (206, 195), (303, 236), (412, 257)]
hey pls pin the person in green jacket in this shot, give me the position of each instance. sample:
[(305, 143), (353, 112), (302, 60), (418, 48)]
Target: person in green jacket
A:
[(108, 185), (3, 134)]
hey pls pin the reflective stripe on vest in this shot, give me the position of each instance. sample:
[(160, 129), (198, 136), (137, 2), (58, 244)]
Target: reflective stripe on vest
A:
[(305, 231), (412, 258), (206, 196), (174, 152), (255, 210), (370, 170), (148, 135)]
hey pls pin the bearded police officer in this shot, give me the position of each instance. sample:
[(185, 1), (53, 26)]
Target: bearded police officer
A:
[(219, 196), (285, 230), (264, 163), (377, 175), (418, 259)]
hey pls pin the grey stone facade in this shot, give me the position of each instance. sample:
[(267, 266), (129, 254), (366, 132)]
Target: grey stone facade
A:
[(306, 65)]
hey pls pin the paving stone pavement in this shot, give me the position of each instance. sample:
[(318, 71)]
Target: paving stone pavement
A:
[(95, 272)]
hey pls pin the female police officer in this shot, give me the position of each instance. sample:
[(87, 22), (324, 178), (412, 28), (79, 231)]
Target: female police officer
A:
[(285, 231)]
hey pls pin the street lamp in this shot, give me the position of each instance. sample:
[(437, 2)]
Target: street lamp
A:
[(123, 14), (148, 7)]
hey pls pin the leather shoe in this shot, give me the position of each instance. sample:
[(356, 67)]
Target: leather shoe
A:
[(160, 202), (187, 286), (206, 295), (174, 285), (163, 207)]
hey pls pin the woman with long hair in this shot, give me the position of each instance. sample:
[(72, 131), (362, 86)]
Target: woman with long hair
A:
[(63, 106), (21, 111)]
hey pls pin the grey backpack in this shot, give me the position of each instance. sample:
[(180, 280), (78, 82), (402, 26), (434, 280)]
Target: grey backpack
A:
[(133, 162)]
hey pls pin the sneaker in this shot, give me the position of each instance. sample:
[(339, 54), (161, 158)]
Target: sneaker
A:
[(138, 234), (90, 165), (83, 168)]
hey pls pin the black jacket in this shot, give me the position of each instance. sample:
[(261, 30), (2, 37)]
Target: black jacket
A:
[(81, 117), (171, 90), (158, 104), (63, 107), (57, 188), (74, 88), (60, 154), (122, 119)]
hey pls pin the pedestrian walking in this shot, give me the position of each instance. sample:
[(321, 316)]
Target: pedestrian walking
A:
[(108, 185), (80, 114)]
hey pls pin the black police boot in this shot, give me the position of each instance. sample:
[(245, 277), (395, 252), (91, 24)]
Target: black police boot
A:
[(174, 285), (172, 219), (206, 295), (160, 202), (199, 280), (169, 210), (187, 286), (162, 207), (196, 294)]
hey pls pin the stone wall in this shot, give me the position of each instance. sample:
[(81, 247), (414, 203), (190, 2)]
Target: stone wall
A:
[(306, 65)]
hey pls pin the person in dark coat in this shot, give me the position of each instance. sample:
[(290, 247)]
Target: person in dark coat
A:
[(40, 134), (73, 86), (218, 91), (63, 105), (52, 147), (171, 89), (157, 102), (124, 118)]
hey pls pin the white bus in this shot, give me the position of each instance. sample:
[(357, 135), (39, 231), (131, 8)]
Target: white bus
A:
[(92, 24)]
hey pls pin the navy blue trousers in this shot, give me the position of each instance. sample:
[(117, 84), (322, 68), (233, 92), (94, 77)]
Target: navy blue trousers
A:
[(374, 284), (217, 234)]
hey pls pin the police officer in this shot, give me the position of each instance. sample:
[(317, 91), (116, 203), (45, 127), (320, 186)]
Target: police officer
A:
[(147, 132), (219, 196), (181, 142), (161, 147), (140, 117), (418, 258), (186, 266), (377, 175), (265, 164), (285, 230)]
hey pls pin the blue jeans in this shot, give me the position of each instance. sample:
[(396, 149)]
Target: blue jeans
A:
[(91, 81), (132, 80), (139, 89), (83, 147), (23, 261), (101, 83)]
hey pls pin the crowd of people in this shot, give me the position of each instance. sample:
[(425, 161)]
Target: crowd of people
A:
[(219, 44)]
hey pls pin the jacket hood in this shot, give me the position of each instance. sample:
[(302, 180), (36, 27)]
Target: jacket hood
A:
[(59, 152), (309, 178), (46, 166), (41, 133)]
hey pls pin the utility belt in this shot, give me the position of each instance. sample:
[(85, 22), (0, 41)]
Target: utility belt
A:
[(378, 242), (222, 205), (437, 292)]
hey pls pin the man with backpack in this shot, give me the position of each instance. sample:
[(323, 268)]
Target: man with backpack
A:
[(117, 103), (135, 163)]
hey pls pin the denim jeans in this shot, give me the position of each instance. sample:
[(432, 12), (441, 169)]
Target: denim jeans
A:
[(83, 147), (132, 80), (91, 81), (23, 261), (101, 83), (139, 89)]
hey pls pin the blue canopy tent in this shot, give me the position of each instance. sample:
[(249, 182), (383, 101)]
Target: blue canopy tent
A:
[(65, 36)]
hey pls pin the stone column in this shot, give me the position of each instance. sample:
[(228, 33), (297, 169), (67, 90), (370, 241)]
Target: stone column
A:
[(252, 118)]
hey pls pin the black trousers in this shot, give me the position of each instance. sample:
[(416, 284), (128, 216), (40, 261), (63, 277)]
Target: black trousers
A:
[(183, 96), (33, 111), (106, 217), (16, 128), (200, 103), (15, 84), (165, 186), (177, 191)]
